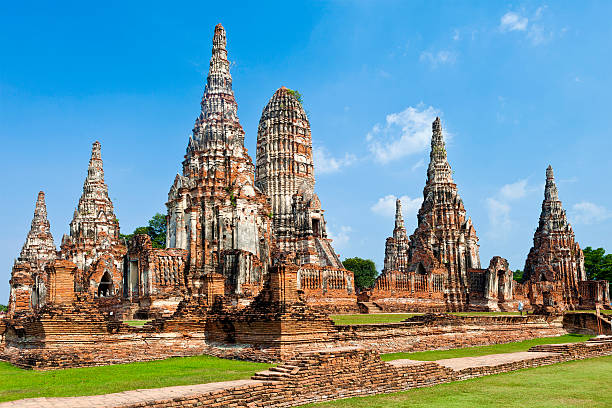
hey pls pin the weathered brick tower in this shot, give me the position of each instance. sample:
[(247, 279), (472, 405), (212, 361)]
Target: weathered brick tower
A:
[(27, 278), (555, 258), (214, 210), (444, 238), (93, 244), (397, 246), (285, 173)]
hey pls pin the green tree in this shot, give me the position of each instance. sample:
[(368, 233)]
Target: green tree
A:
[(364, 270), (3, 308), (156, 230), (518, 275), (598, 264)]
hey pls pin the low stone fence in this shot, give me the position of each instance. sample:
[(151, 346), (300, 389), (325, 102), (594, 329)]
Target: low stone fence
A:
[(77, 340), (327, 375)]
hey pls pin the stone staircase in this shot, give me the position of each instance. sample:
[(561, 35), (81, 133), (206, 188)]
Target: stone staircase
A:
[(277, 373), (369, 307)]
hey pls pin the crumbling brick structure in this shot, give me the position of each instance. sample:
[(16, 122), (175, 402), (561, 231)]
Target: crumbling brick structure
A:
[(441, 250), (555, 265), (27, 277), (215, 212), (285, 173), (93, 244)]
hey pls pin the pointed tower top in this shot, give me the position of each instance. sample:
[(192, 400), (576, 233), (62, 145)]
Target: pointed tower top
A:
[(550, 192), (218, 118), (219, 41), (39, 246), (439, 171), (96, 150), (399, 220), (436, 124)]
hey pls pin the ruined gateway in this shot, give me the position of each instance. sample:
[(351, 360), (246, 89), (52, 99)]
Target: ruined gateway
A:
[(229, 222)]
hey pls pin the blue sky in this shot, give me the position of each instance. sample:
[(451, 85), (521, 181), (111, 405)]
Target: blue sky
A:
[(518, 86)]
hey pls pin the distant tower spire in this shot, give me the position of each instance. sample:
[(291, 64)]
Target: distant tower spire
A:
[(399, 220), (218, 120), (39, 247), (439, 171), (551, 192)]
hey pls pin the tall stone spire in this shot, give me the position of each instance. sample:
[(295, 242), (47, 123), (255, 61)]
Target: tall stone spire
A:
[(445, 239), (439, 171), (218, 120), (214, 210), (397, 246), (285, 173), (94, 227), (555, 256), (39, 247), (399, 220)]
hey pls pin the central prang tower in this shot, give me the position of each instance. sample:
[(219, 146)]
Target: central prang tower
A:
[(285, 173), (444, 238), (214, 210)]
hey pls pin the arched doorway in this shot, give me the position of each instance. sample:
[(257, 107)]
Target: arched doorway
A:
[(106, 285)]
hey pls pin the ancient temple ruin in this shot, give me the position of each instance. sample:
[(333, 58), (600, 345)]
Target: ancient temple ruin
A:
[(555, 265), (27, 277), (248, 259), (285, 174), (397, 248), (93, 243), (215, 212), (442, 249)]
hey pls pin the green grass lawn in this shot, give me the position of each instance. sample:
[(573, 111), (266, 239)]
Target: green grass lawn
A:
[(398, 317), (137, 323), (16, 383), (585, 383), (371, 318), (606, 312), (484, 350)]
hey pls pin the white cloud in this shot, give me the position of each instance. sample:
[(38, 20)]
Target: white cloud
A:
[(589, 213), (404, 133), (341, 238), (326, 163), (536, 33), (499, 214), (513, 22), (418, 165), (385, 206), (438, 58), (499, 206), (514, 191), (456, 35)]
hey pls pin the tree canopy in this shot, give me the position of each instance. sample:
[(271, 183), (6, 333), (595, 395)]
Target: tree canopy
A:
[(364, 270), (598, 264), (518, 275), (156, 230)]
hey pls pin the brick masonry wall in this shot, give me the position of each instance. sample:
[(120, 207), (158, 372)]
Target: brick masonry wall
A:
[(83, 338)]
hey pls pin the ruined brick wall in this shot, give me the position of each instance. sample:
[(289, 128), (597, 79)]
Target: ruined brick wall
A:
[(154, 278), (593, 293), (395, 291), (61, 280), (328, 289)]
